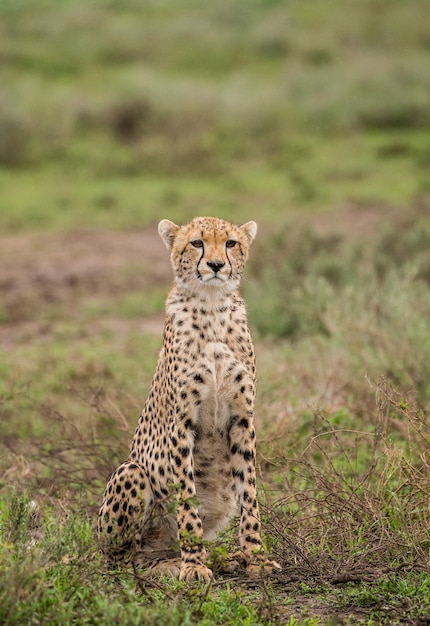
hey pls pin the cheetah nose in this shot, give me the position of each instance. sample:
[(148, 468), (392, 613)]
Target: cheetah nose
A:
[(216, 265)]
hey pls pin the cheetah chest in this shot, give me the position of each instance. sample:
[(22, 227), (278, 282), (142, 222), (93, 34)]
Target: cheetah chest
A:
[(210, 358), (214, 481)]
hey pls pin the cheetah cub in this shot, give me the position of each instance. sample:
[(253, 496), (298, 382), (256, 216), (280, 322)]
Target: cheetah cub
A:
[(195, 439)]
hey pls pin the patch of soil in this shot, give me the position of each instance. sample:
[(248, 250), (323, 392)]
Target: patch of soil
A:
[(352, 222), (39, 270)]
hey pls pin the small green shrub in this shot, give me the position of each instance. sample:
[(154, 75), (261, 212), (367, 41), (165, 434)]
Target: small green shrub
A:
[(370, 295)]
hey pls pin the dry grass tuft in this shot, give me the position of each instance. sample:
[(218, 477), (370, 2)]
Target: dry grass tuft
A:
[(355, 503)]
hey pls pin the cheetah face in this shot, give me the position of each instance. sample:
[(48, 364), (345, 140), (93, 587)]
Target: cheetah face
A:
[(208, 251)]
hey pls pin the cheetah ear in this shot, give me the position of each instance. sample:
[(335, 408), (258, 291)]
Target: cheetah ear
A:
[(250, 230), (167, 231)]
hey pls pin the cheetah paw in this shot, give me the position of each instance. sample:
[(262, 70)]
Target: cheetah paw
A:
[(195, 571), (260, 566), (171, 567)]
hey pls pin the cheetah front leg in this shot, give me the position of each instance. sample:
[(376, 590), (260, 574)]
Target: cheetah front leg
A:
[(190, 526), (242, 449)]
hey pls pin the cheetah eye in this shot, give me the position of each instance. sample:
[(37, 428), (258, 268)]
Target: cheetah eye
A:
[(230, 243), (197, 243)]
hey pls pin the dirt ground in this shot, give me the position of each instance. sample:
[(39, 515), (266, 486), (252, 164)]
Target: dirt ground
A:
[(41, 270)]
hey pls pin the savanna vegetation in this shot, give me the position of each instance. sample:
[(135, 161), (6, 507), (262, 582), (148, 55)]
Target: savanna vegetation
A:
[(312, 118)]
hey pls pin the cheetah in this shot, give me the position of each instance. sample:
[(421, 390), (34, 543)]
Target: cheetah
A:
[(195, 440)]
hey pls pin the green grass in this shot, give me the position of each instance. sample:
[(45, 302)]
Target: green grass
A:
[(312, 119), (62, 580), (392, 595)]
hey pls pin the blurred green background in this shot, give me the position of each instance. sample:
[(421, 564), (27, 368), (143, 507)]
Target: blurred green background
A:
[(114, 114)]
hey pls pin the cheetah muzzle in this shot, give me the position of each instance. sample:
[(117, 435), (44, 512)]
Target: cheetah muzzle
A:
[(195, 440)]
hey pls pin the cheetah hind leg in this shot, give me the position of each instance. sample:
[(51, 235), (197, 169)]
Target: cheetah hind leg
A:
[(127, 505), (134, 528), (170, 567)]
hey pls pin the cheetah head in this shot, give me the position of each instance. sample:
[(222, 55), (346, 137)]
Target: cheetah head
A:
[(207, 252)]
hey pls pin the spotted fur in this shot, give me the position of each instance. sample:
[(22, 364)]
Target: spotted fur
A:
[(195, 437)]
